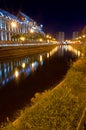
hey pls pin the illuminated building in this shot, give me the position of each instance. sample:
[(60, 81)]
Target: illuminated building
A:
[(10, 25), (60, 37), (83, 31), (75, 35)]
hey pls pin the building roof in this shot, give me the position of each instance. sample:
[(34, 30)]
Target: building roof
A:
[(21, 18), (25, 17), (8, 15)]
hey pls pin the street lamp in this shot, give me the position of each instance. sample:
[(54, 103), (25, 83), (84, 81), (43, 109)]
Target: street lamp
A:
[(22, 38), (16, 73), (23, 65), (83, 36), (31, 31), (40, 39), (47, 36)]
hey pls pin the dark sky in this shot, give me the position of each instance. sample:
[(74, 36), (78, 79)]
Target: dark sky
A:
[(55, 15)]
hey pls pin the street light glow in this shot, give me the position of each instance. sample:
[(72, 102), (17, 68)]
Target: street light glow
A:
[(16, 73), (31, 31), (23, 65), (83, 36), (13, 24), (40, 39), (47, 36), (22, 38)]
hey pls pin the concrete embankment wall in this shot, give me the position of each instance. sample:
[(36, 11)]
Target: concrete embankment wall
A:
[(7, 52)]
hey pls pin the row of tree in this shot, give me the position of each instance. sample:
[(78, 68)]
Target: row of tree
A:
[(30, 37)]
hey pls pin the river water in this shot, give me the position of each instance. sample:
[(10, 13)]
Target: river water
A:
[(20, 79)]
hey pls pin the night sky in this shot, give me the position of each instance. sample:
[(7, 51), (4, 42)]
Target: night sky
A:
[(55, 15)]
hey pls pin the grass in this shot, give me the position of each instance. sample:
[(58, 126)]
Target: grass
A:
[(57, 109)]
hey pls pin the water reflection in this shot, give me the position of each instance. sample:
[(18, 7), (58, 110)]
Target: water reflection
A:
[(41, 60), (69, 48), (13, 69), (75, 51)]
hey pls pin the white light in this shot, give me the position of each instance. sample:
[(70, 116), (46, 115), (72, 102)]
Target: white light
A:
[(83, 36), (22, 38), (23, 65), (31, 30), (41, 58), (13, 24), (47, 55), (40, 40), (16, 73)]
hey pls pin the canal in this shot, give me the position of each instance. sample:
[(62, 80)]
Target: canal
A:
[(21, 78)]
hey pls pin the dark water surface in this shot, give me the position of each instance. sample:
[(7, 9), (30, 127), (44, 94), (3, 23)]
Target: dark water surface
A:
[(20, 79)]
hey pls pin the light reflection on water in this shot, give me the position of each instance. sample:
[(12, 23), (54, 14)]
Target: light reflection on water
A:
[(16, 68), (13, 69), (75, 51)]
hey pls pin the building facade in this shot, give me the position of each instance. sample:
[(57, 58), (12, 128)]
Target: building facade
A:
[(10, 25), (61, 37), (75, 35)]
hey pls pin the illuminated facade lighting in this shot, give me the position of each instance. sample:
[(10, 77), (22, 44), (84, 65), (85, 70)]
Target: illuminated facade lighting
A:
[(16, 73), (31, 31), (10, 25), (13, 24), (23, 65), (40, 39), (22, 38)]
